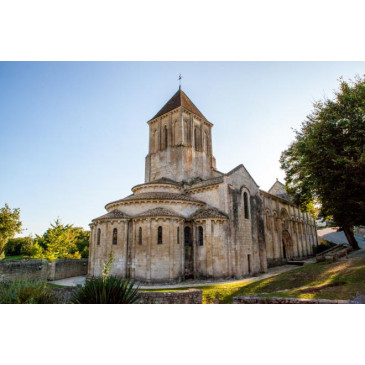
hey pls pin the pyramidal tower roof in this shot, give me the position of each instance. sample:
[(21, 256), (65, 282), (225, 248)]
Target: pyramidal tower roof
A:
[(177, 100)]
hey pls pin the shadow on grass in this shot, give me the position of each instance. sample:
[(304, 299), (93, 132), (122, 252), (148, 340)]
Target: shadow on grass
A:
[(340, 280)]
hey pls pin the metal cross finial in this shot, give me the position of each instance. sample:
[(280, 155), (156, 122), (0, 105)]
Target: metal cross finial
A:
[(180, 77)]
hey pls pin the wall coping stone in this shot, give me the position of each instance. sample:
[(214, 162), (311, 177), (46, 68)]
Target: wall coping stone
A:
[(280, 300)]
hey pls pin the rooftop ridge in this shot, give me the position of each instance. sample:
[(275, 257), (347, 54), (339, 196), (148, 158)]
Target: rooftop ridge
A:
[(179, 99)]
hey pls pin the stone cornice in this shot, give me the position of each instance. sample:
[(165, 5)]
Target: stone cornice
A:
[(162, 201)]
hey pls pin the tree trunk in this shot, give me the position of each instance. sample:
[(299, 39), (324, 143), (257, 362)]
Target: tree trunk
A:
[(349, 233)]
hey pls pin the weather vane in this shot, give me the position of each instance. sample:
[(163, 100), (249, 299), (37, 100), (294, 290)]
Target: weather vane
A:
[(180, 77)]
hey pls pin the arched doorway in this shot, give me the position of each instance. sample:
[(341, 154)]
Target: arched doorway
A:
[(287, 245), (188, 253)]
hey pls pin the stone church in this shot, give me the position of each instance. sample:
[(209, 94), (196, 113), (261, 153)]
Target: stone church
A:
[(190, 220)]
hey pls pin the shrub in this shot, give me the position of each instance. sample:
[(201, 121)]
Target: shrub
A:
[(25, 292), (32, 250), (106, 290), (14, 245)]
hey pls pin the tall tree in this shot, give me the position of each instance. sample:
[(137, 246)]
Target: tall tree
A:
[(59, 241), (10, 225), (326, 162)]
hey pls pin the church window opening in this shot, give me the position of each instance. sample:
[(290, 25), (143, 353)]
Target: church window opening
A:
[(175, 133), (178, 235), (159, 235), (115, 236), (140, 235), (249, 263), (165, 136), (186, 132), (187, 236), (268, 223), (206, 142), (98, 236), (245, 204), (201, 236), (197, 138)]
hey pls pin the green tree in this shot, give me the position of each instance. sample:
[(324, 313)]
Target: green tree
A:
[(14, 245), (326, 162), (62, 241), (59, 241), (10, 225), (31, 249), (82, 243)]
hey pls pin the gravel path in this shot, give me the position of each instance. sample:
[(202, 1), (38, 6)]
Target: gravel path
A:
[(331, 235), (80, 280)]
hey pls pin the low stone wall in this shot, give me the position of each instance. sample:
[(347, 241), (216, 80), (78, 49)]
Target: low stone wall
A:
[(23, 269), (278, 300), (190, 296), (41, 269), (64, 268)]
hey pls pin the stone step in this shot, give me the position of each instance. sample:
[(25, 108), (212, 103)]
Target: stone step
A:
[(294, 262)]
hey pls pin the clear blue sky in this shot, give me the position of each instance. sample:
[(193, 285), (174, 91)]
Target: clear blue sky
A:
[(74, 135)]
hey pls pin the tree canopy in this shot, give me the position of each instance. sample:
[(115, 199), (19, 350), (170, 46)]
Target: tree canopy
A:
[(326, 161), (10, 225), (62, 241)]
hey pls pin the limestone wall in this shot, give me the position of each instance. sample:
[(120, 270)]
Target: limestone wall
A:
[(24, 269), (180, 147), (281, 216), (190, 296), (64, 268), (42, 269)]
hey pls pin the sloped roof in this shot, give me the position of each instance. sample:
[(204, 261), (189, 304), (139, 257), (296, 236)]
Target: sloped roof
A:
[(177, 100), (208, 182), (278, 189), (159, 212), (157, 196), (209, 213), (114, 214)]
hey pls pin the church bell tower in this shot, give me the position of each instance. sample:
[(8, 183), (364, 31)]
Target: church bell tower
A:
[(180, 142)]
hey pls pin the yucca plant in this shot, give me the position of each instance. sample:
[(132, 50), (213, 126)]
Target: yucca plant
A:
[(106, 290)]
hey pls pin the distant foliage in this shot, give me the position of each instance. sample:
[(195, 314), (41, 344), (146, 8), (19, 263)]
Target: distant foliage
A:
[(10, 225), (25, 292), (31, 249), (82, 242), (14, 245)]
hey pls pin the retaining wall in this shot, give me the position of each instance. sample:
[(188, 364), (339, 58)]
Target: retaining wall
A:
[(64, 268), (278, 300), (42, 269), (23, 269), (190, 296)]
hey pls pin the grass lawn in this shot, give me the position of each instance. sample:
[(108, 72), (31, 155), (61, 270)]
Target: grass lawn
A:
[(9, 258), (339, 280)]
